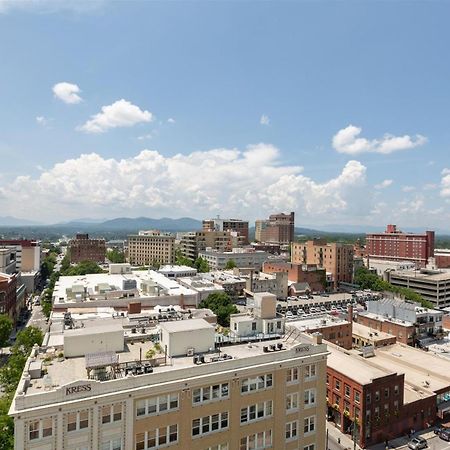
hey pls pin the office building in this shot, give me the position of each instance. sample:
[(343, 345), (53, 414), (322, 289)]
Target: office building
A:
[(28, 253), (242, 257), (151, 247), (278, 229), (82, 248), (335, 257), (442, 258), (8, 295), (8, 263), (123, 393), (432, 285), (395, 245), (236, 225)]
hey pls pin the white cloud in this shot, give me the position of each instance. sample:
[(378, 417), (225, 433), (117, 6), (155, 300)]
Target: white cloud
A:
[(408, 188), (264, 120), (247, 183), (121, 113), (445, 183), (347, 141), (170, 120), (67, 92), (384, 184), (430, 186), (41, 120)]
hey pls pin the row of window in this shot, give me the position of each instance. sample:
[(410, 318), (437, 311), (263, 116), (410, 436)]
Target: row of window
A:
[(258, 411), (208, 424), (293, 374), (156, 405), (210, 393), (157, 437)]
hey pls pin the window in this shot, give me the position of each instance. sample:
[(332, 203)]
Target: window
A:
[(310, 371), (254, 412), (396, 390), (328, 379), (377, 395), (218, 447), (210, 393), (257, 441), (292, 375), (386, 392), (155, 405), (255, 384), (309, 447), (357, 396), (291, 430), (40, 428), (368, 398), (337, 384), (156, 438), (347, 390), (310, 397), (292, 402), (111, 413), (115, 444), (208, 424), (77, 420), (309, 424)]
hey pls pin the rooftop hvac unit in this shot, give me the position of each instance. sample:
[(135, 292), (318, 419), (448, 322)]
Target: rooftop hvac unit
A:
[(190, 352), (128, 285)]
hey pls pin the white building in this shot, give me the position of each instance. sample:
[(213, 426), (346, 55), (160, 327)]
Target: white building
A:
[(242, 257)]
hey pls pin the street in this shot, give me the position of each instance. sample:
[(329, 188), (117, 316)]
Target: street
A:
[(38, 319)]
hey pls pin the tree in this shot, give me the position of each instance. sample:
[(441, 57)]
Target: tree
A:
[(230, 264), (6, 326), (26, 339), (221, 305), (83, 268), (181, 260), (115, 256), (201, 265)]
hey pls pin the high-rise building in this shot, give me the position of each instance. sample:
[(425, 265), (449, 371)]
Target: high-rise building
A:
[(82, 248), (218, 224), (28, 253), (188, 394), (278, 229), (335, 257), (395, 245), (197, 241), (150, 247)]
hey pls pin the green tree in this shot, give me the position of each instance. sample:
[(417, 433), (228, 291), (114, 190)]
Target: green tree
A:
[(230, 264), (26, 339), (181, 260), (6, 424), (6, 326), (84, 268), (221, 305), (201, 265), (115, 256)]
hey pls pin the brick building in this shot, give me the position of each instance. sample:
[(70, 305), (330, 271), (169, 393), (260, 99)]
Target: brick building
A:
[(442, 258), (82, 248), (376, 398), (8, 295), (362, 336), (299, 273), (335, 257), (395, 245), (278, 229)]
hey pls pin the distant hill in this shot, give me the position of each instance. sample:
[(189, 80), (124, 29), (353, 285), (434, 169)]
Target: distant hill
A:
[(9, 221)]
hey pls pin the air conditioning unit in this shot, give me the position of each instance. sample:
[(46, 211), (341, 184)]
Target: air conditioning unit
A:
[(190, 352)]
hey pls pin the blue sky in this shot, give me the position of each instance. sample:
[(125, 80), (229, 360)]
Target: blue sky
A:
[(337, 110)]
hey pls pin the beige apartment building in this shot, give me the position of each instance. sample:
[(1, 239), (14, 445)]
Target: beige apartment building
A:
[(269, 394), (336, 258), (149, 247), (278, 229)]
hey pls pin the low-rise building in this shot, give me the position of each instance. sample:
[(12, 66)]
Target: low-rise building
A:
[(432, 285), (365, 336), (188, 391), (382, 266), (8, 294), (7, 260), (233, 283), (83, 248), (442, 258), (201, 285), (242, 257), (171, 271), (276, 283)]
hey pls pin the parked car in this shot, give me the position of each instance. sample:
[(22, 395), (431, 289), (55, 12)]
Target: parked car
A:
[(438, 428), (445, 434), (417, 443)]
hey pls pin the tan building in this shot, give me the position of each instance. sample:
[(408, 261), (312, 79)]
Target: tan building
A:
[(278, 229), (236, 225), (192, 397), (363, 336), (149, 247), (198, 241), (335, 257), (27, 252), (82, 248)]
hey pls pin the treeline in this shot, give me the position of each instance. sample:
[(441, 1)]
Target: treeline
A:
[(200, 264), (369, 280)]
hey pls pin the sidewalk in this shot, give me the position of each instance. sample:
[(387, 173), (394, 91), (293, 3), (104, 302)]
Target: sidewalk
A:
[(340, 438)]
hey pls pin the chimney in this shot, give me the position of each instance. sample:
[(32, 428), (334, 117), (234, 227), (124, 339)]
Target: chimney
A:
[(317, 338)]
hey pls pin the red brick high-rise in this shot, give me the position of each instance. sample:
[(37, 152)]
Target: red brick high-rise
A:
[(395, 245)]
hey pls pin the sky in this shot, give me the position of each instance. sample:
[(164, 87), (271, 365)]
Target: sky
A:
[(337, 110)]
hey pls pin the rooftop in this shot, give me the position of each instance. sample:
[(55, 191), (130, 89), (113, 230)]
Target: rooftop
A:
[(403, 323), (369, 333), (423, 274), (313, 323)]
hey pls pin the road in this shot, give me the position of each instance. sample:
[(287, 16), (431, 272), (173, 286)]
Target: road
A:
[(38, 319)]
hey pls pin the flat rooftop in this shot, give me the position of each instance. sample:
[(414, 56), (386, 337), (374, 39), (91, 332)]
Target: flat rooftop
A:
[(403, 323), (370, 333), (312, 323), (432, 275)]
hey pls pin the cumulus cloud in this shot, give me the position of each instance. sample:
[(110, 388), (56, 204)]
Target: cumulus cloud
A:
[(347, 141), (408, 188), (445, 183), (121, 113), (67, 92), (384, 184), (171, 120), (41, 120), (229, 181), (264, 120)]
